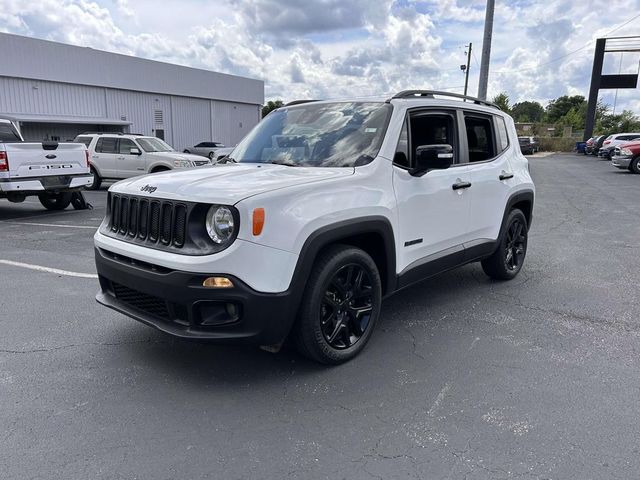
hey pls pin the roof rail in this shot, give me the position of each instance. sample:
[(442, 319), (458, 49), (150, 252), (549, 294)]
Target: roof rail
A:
[(298, 102), (431, 93)]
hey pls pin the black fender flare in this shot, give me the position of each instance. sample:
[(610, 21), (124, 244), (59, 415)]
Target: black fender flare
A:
[(334, 233), (515, 198)]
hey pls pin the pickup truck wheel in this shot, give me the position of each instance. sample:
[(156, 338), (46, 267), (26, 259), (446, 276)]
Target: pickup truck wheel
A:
[(97, 181), (55, 201), (340, 306), (634, 166), (507, 260)]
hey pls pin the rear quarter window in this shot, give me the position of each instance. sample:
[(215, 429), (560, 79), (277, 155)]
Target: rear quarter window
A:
[(503, 136)]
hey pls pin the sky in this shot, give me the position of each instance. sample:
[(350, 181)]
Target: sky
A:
[(341, 48)]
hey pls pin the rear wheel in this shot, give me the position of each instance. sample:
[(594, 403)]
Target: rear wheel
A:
[(55, 201), (212, 155), (507, 260), (634, 166), (97, 181), (340, 306)]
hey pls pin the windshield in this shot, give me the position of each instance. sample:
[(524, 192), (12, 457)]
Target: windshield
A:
[(8, 133), (317, 135), (150, 144)]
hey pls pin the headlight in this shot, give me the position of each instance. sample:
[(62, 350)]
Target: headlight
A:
[(182, 164), (220, 224), (626, 151)]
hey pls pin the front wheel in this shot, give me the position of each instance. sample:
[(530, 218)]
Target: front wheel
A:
[(507, 260), (55, 201), (340, 306), (212, 155), (634, 166)]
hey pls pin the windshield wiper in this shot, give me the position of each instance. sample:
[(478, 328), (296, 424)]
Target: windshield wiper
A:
[(276, 162)]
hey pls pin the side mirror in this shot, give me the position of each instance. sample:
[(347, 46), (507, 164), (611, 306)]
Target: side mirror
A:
[(135, 151), (432, 157)]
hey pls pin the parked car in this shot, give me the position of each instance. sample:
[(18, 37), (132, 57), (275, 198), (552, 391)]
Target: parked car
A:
[(206, 149), (613, 141), (119, 156), (627, 156), (51, 171), (223, 152), (326, 208), (527, 145), (588, 146), (597, 145)]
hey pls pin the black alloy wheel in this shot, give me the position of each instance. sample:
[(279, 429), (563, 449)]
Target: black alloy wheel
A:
[(340, 306), (515, 245), (507, 260), (345, 311)]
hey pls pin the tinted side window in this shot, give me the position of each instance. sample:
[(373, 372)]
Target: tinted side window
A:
[(125, 146), (201, 144), (502, 133), (401, 158), (106, 145), (479, 138)]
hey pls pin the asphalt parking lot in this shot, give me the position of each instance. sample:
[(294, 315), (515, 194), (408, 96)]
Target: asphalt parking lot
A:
[(465, 377)]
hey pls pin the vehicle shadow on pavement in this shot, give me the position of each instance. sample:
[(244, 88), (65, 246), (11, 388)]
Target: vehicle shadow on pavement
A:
[(201, 363)]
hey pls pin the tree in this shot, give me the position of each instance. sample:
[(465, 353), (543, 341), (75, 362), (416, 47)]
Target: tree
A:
[(271, 105), (622, 122), (527, 111), (502, 101), (560, 107)]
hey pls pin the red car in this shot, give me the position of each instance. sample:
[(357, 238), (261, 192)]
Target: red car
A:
[(627, 156)]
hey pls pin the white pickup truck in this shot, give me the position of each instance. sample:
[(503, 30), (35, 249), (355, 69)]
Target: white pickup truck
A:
[(50, 170)]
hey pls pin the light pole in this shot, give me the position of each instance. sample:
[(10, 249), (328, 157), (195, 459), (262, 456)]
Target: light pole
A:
[(465, 68), (486, 50)]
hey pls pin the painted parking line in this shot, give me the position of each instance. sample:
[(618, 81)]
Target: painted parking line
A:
[(40, 268), (50, 225)]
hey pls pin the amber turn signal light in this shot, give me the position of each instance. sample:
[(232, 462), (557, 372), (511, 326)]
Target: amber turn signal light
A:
[(258, 221), (217, 282)]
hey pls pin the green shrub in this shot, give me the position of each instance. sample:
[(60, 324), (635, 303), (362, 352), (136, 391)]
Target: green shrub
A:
[(557, 144)]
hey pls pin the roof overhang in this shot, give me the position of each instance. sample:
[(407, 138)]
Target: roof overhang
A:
[(26, 118)]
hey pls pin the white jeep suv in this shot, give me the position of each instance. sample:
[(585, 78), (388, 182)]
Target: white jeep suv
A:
[(324, 209), (119, 155)]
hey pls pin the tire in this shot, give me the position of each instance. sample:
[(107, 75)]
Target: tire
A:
[(160, 169), (505, 263), (97, 181), (340, 306), (211, 155), (55, 201), (634, 166), (186, 151)]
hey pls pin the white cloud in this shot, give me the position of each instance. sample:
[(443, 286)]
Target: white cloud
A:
[(333, 48)]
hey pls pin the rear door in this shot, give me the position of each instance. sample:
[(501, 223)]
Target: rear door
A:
[(129, 164), (489, 150), (104, 156)]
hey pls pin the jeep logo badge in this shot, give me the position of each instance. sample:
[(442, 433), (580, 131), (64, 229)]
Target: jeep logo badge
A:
[(148, 188)]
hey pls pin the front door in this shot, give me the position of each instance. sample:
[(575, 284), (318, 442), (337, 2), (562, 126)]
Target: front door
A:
[(129, 164), (433, 209)]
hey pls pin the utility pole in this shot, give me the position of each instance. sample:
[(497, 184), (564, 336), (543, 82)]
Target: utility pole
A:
[(466, 70), (486, 51)]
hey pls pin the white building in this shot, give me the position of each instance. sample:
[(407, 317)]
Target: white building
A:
[(56, 91)]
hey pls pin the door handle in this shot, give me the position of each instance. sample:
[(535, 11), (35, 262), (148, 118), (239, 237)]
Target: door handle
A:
[(460, 185), (505, 176)]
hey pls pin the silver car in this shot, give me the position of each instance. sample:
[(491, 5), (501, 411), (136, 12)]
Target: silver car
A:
[(205, 149)]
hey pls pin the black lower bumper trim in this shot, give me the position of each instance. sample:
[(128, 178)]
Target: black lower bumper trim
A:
[(175, 302)]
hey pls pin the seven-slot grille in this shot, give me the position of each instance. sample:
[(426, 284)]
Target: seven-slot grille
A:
[(150, 221)]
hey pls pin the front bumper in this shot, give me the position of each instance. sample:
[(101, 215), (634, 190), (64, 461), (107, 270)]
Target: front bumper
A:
[(621, 162), (175, 302), (48, 183)]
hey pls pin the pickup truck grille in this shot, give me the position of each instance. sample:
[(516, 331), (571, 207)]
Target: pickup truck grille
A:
[(162, 223)]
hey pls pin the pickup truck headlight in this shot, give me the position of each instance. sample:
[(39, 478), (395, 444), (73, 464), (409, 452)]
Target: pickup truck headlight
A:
[(182, 164), (220, 224), (626, 151)]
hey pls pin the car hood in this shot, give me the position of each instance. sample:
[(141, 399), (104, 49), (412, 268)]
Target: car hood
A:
[(225, 184), (175, 156)]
